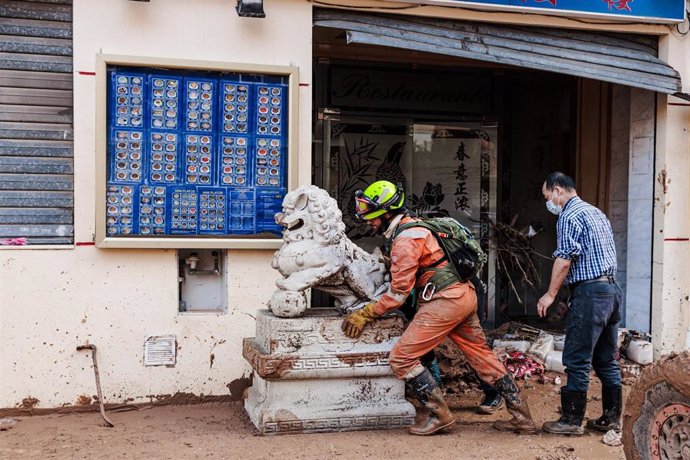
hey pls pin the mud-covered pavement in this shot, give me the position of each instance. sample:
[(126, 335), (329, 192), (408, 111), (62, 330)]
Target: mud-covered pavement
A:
[(224, 431)]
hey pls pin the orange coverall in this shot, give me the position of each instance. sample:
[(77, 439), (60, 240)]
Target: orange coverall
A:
[(451, 312)]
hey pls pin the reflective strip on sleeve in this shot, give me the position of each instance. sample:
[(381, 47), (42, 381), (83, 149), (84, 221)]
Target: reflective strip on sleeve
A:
[(414, 233), (397, 296)]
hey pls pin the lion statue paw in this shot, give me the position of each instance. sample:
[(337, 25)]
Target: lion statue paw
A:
[(288, 304)]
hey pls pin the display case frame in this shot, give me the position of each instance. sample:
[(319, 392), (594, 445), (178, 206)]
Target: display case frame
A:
[(103, 61)]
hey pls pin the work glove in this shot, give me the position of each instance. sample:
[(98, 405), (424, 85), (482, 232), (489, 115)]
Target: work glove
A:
[(385, 260), (354, 323)]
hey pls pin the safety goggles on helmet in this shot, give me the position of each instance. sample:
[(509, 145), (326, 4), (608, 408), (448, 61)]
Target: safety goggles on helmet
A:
[(367, 205)]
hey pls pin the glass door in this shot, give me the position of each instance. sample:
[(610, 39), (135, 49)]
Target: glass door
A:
[(447, 169)]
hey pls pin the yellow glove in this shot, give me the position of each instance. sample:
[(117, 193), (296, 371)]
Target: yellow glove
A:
[(354, 323)]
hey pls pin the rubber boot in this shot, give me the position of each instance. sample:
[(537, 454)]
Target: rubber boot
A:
[(573, 404), (612, 403), (491, 402), (517, 407), (427, 391)]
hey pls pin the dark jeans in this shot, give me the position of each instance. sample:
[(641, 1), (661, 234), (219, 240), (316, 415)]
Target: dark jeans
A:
[(591, 336)]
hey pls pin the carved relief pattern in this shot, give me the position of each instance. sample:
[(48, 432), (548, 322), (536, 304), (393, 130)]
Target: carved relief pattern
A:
[(340, 423), (276, 366), (335, 363), (294, 339), (271, 366)]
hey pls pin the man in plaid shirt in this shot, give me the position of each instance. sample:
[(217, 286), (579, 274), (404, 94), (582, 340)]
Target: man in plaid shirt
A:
[(586, 263)]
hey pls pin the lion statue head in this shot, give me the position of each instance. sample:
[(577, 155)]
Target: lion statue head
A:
[(309, 213)]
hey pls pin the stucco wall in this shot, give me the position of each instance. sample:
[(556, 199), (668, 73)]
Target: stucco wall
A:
[(671, 270), (53, 300)]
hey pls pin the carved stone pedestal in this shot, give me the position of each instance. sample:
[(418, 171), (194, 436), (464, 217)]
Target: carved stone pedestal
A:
[(309, 377)]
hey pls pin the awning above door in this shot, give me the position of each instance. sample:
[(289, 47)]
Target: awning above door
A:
[(617, 58)]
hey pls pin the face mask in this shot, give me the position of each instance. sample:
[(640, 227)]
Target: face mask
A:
[(553, 208)]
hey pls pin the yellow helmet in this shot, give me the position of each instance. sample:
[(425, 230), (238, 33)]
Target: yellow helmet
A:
[(377, 199)]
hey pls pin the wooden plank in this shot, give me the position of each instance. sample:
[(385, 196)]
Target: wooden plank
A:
[(38, 80), (34, 165), (44, 131), (40, 62), (32, 28), (33, 96), (13, 147), (36, 216), (15, 231), (35, 113), (52, 182), (49, 12), (38, 199), (36, 45)]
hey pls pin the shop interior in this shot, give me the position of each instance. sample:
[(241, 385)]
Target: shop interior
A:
[(468, 139)]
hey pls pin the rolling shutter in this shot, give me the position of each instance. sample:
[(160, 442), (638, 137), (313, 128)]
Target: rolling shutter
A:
[(624, 59), (36, 121)]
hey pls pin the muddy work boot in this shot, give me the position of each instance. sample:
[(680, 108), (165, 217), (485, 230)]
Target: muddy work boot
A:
[(427, 391), (491, 402), (612, 403), (573, 404), (517, 407)]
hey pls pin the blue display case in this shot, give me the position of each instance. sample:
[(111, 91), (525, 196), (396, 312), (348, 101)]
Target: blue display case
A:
[(194, 153)]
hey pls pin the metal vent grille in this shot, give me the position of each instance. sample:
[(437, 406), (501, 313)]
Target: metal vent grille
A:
[(160, 350)]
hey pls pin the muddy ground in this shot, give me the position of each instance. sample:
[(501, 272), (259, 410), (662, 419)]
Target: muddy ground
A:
[(224, 431)]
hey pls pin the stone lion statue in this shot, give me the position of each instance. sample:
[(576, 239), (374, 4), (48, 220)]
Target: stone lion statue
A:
[(316, 253)]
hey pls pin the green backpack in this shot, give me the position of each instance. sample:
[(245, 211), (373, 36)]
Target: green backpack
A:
[(463, 251)]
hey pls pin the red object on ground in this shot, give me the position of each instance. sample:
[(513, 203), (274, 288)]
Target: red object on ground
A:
[(520, 365)]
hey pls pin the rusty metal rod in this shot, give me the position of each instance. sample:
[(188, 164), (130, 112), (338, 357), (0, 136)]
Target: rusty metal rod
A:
[(98, 381)]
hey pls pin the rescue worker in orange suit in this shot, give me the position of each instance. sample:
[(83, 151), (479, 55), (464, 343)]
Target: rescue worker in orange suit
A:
[(449, 312)]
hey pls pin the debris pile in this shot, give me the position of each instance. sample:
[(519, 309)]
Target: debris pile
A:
[(515, 256), (635, 351), (533, 354), (457, 375)]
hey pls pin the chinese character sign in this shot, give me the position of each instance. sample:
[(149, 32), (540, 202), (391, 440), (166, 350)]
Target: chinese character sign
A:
[(447, 172)]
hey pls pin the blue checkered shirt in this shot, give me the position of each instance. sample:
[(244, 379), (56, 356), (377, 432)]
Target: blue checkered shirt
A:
[(585, 238)]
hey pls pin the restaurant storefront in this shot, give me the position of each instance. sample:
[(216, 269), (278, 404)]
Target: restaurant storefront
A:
[(468, 107)]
